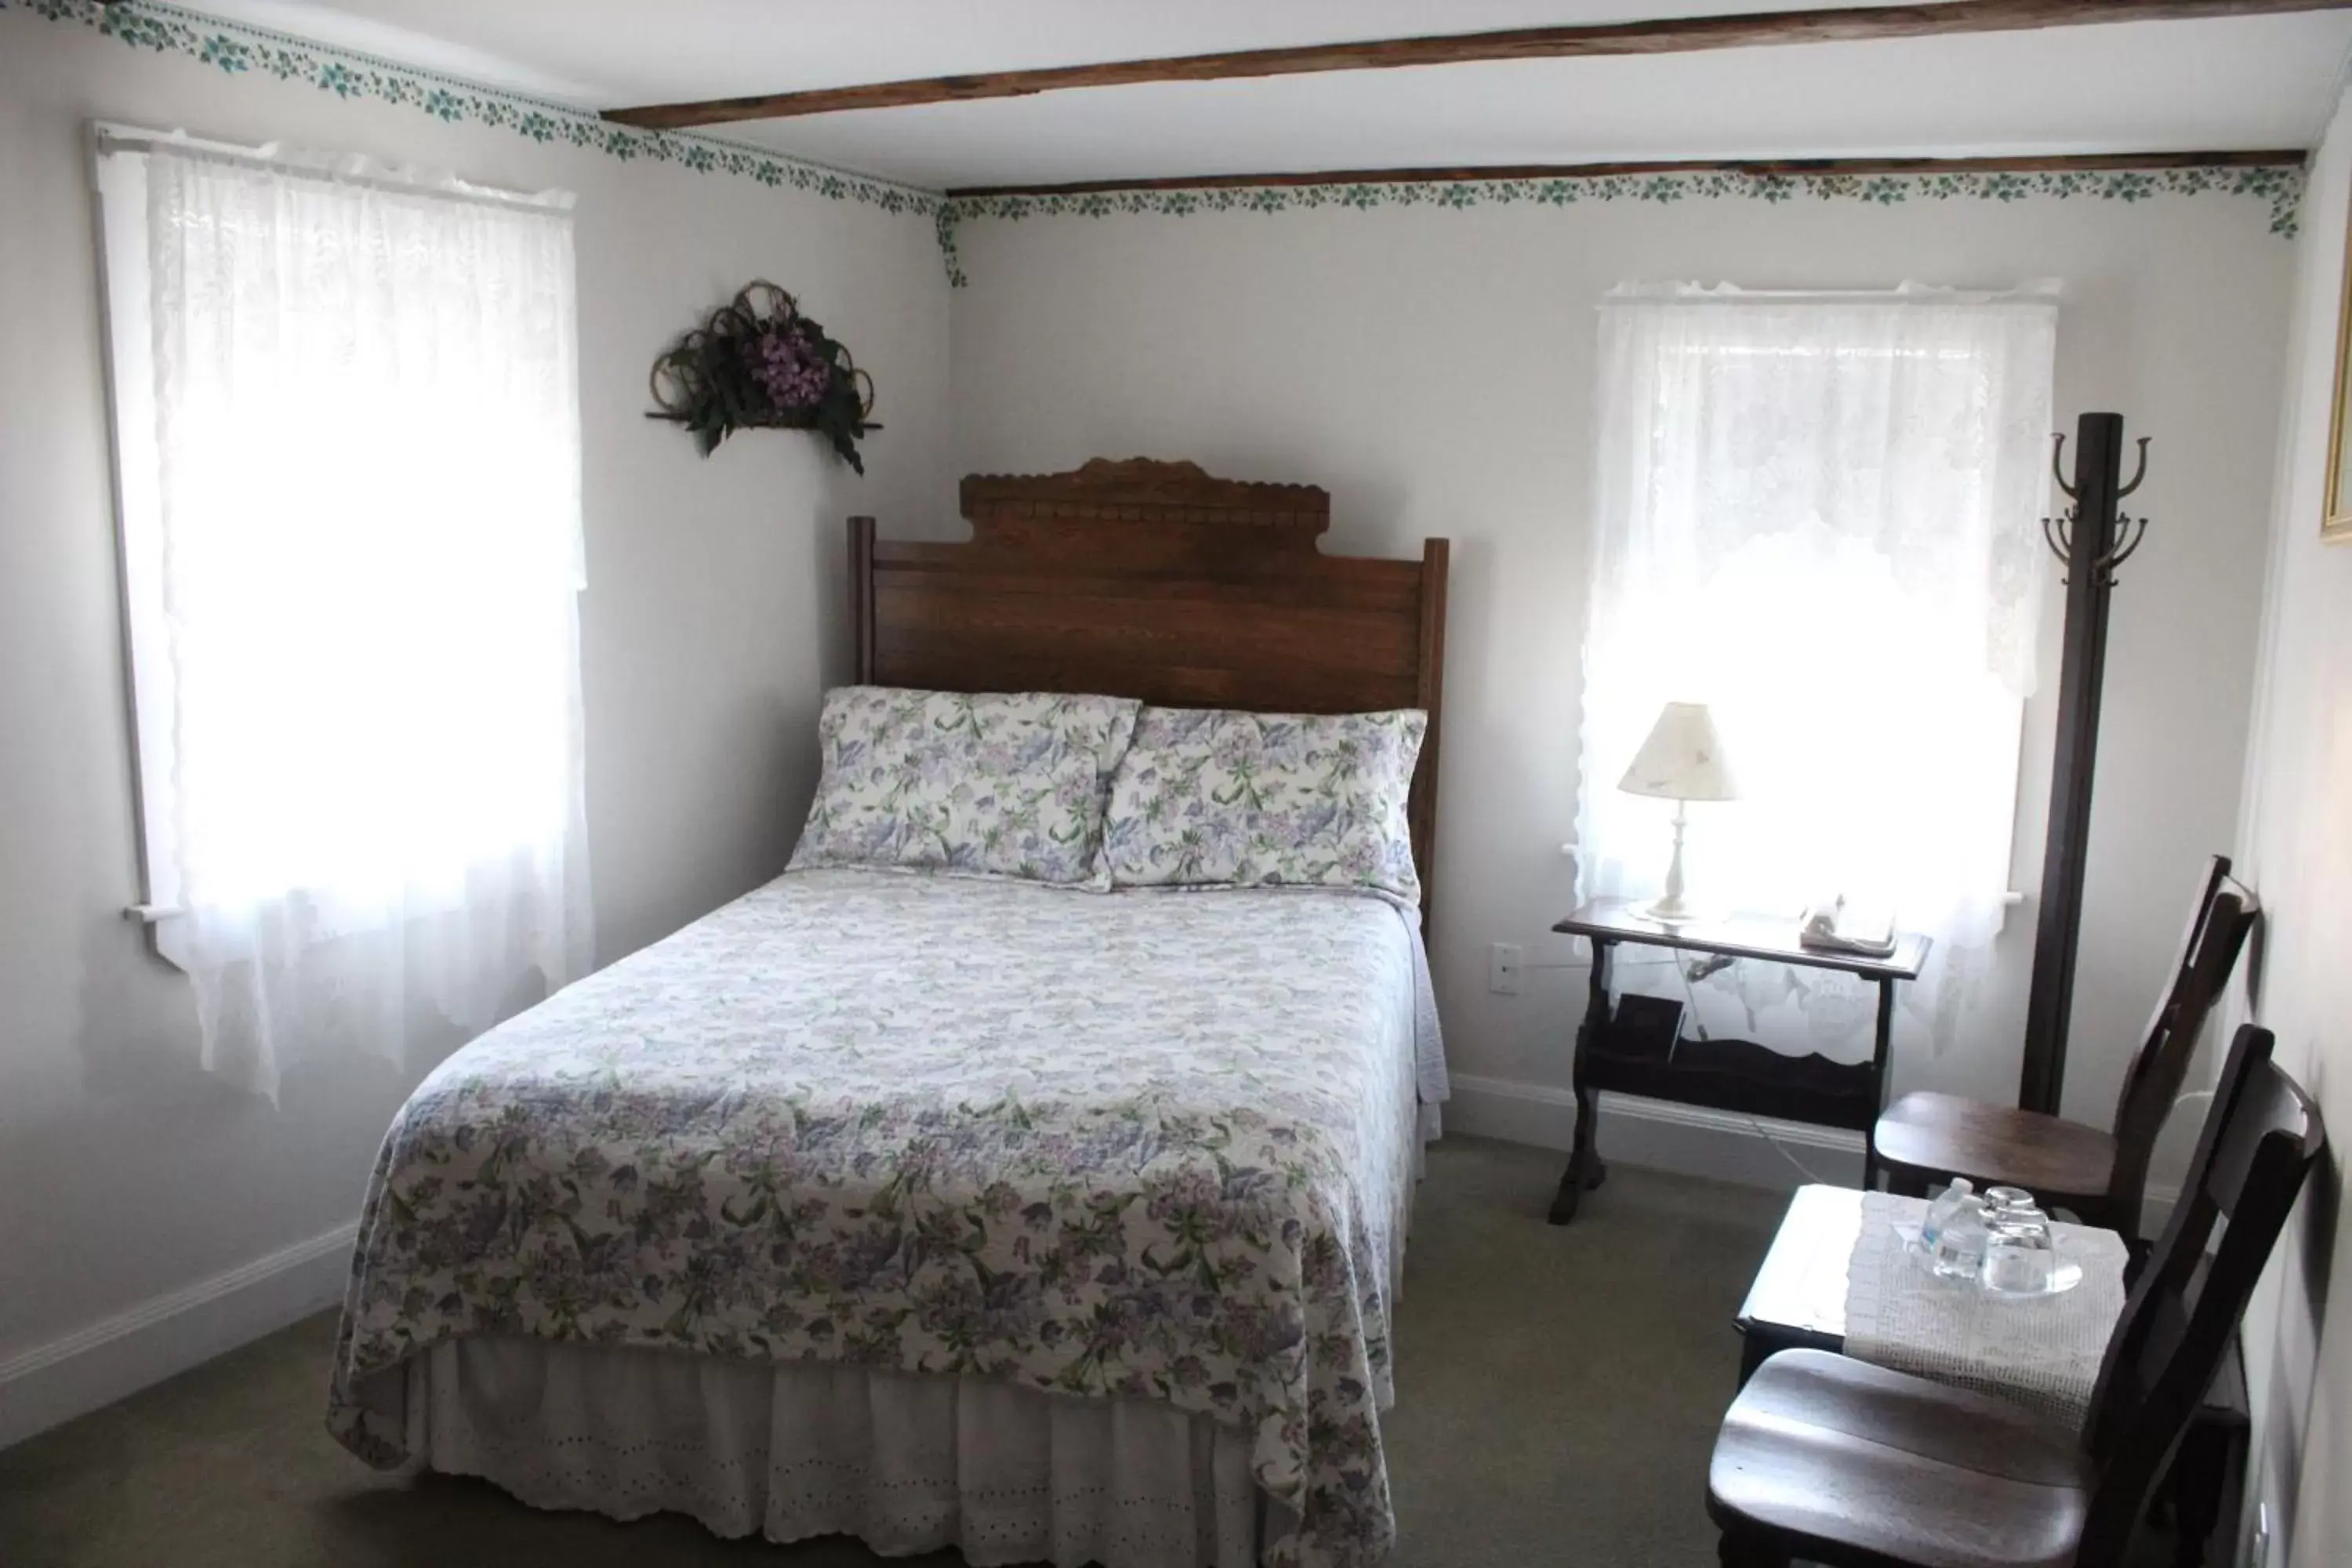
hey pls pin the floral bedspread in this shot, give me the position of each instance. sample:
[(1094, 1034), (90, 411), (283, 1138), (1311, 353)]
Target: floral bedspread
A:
[(1146, 1144)]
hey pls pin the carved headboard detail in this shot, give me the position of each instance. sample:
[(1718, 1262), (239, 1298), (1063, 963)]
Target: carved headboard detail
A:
[(1157, 580)]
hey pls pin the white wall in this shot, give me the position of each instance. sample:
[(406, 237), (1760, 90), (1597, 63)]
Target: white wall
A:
[(712, 615), (2296, 848), (1434, 368)]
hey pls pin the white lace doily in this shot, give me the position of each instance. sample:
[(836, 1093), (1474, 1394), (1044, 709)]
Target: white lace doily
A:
[(2042, 1352)]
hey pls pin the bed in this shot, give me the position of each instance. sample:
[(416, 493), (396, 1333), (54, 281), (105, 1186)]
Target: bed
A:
[(1050, 1225)]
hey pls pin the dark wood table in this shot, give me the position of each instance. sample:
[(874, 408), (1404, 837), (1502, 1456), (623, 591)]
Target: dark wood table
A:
[(1798, 1302), (1721, 1075)]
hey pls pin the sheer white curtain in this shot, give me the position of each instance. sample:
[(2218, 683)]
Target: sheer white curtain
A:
[(1819, 515), (362, 560)]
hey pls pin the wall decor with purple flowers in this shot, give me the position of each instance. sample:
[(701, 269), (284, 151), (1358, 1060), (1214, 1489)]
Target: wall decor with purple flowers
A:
[(757, 363)]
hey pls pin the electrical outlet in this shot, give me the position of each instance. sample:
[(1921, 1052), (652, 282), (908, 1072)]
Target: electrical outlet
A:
[(1503, 968)]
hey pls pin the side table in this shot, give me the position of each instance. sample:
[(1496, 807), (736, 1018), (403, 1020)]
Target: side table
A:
[(1722, 1075)]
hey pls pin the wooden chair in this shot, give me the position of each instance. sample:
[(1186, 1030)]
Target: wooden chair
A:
[(1838, 1462), (1926, 1138)]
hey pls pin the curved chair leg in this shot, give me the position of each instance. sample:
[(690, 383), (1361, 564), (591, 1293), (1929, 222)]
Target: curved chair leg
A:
[(1904, 1182), (1735, 1551)]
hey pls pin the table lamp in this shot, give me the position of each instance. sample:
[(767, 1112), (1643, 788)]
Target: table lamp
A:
[(1682, 762)]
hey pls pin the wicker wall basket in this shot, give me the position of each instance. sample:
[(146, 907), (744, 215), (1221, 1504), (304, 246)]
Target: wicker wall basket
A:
[(757, 363)]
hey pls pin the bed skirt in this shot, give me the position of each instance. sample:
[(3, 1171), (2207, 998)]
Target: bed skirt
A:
[(904, 1462)]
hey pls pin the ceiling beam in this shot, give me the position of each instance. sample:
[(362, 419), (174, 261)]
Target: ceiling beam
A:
[(1673, 35), (1783, 167)]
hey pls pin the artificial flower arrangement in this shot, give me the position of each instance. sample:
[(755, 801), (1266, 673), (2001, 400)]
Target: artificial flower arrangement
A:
[(757, 363)]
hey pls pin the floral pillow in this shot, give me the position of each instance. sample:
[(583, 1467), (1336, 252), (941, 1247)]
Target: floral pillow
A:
[(996, 784), (1208, 798)]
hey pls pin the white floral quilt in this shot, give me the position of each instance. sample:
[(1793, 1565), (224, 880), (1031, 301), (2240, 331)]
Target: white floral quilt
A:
[(1150, 1145)]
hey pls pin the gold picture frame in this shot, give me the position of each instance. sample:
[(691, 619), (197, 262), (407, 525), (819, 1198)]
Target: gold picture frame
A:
[(2335, 520)]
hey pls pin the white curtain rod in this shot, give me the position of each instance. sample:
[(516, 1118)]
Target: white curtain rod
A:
[(347, 168), (2035, 291)]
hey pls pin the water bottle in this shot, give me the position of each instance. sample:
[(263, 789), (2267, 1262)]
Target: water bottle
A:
[(1960, 1245), (1940, 1212)]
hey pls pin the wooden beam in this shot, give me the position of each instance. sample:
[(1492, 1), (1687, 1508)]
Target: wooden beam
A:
[(1785, 167), (1662, 36)]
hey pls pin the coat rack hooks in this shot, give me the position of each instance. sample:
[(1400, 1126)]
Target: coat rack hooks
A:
[(2120, 539), (2121, 550), (2058, 466), (2139, 472), (2057, 532)]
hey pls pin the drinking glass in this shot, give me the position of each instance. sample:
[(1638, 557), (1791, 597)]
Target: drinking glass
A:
[(2001, 1201), (2019, 1257)]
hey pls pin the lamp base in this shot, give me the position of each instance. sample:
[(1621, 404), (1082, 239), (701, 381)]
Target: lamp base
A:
[(1670, 907)]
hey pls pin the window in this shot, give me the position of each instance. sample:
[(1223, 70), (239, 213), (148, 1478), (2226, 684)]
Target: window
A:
[(348, 478), (1819, 514)]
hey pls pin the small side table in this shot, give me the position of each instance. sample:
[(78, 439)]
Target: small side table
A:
[(1798, 1302), (1722, 1075)]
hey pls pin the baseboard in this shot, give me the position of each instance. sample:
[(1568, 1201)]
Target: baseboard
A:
[(1757, 1152), (95, 1366), (1689, 1139)]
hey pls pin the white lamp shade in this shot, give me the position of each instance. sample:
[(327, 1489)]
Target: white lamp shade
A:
[(1682, 758)]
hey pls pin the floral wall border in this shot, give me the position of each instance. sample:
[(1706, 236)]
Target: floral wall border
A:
[(2278, 184), (240, 49)]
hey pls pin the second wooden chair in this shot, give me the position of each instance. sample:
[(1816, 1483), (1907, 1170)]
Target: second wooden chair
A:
[(2101, 1176), (1829, 1460)]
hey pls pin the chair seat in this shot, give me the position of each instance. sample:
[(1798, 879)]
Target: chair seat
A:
[(1837, 1460), (1950, 1135)]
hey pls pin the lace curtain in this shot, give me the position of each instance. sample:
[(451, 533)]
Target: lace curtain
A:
[(365, 556), (1819, 514)]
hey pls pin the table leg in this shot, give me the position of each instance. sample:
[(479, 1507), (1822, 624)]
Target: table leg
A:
[(1753, 1352), (1882, 1054), (1585, 1170)]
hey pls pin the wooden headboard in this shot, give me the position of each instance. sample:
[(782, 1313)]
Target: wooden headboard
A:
[(1153, 580)]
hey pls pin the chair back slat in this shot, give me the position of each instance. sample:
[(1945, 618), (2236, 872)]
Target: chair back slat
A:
[(2258, 1144), (2270, 1099), (2224, 914), (2216, 876)]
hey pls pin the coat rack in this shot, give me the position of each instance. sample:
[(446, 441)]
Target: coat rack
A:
[(2091, 538)]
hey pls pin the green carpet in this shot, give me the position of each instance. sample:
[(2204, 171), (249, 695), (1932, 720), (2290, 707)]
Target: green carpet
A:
[(1557, 1393)]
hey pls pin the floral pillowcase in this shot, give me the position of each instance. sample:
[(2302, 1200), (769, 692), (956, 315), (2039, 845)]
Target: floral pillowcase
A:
[(1207, 799), (995, 784)]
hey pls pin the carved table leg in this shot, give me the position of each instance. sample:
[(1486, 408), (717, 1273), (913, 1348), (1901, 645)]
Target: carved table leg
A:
[(1585, 1170)]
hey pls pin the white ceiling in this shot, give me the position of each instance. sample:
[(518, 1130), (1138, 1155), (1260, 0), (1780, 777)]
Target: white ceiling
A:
[(2251, 82)]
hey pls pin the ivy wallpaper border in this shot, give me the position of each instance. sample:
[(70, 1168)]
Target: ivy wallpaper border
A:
[(241, 49), (2279, 186)]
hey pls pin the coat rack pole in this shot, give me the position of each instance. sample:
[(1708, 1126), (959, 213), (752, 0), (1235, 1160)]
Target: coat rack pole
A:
[(2090, 581)]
